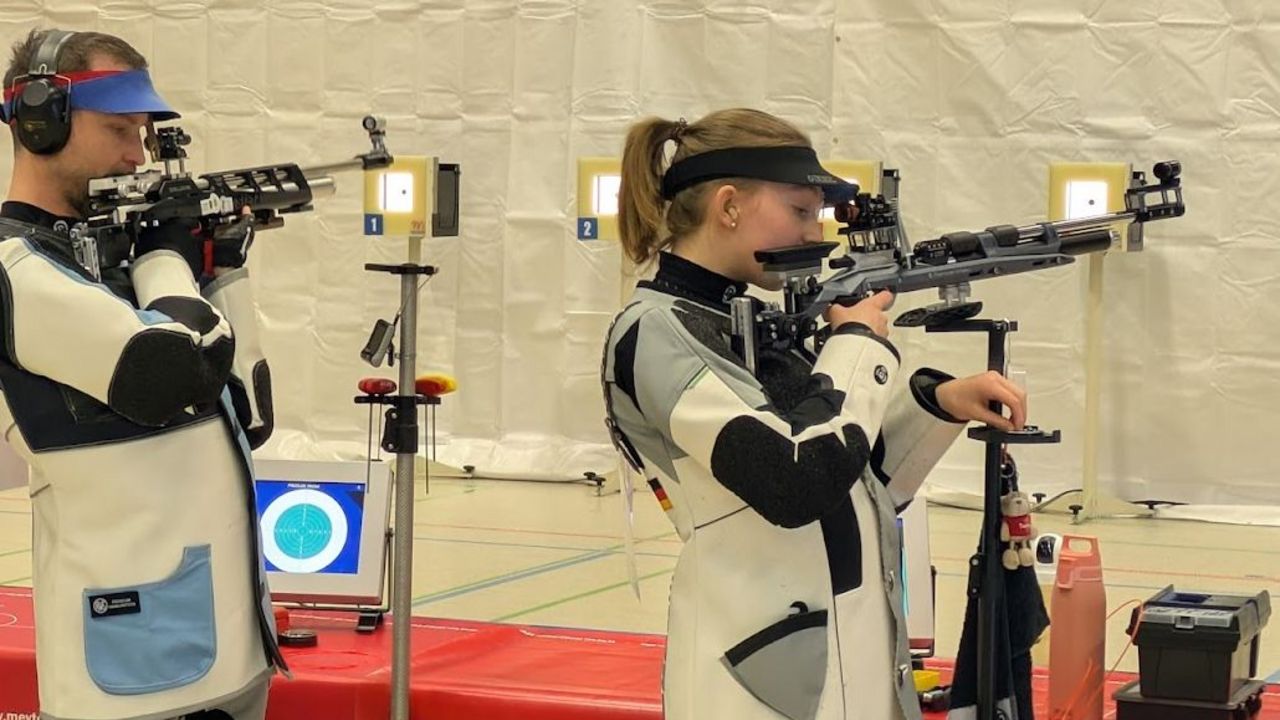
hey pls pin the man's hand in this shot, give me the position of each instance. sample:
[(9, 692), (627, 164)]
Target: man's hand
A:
[(967, 399), (231, 243), (181, 235)]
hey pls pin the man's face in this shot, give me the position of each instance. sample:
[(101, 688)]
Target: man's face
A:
[(100, 145)]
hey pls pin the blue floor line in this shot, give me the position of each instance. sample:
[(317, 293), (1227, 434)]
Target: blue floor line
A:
[(512, 577)]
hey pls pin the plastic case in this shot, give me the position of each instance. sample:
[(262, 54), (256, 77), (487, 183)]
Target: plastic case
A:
[(1198, 646)]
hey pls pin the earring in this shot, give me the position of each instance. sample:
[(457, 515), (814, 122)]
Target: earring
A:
[(734, 224)]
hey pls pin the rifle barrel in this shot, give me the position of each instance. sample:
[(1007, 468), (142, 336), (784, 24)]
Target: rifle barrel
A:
[(322, 186), (331, 168)]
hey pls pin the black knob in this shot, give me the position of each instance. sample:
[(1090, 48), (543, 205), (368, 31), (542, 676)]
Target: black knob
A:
[(1075, 510), (843, 212), (1039, 497), (1167, 170)]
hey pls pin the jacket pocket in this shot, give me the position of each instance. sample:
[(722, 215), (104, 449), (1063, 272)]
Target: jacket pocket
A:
[(159, 636), (785, 665)]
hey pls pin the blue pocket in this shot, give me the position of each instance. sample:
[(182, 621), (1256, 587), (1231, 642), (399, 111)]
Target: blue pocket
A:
[(159, 636)]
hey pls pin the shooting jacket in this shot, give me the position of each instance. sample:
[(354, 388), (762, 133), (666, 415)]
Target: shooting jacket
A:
[(135, 407), (787, 597)]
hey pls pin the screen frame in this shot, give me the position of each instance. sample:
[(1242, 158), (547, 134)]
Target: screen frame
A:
[(367, 586)]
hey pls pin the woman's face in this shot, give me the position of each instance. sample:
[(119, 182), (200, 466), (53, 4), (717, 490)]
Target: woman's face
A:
[(771, 216)]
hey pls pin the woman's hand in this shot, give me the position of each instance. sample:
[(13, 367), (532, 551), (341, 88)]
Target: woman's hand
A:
[(869, 312), (968, 398)]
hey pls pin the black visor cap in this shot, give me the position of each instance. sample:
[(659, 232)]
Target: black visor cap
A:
[(791, 165)]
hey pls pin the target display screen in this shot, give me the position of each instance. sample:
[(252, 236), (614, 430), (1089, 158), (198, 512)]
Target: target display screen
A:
[(324, 528), (311, 527)]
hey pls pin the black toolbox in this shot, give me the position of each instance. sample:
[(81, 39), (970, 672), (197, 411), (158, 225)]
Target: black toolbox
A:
[(1198, 646)]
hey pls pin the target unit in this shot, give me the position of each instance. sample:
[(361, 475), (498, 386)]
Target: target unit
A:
[(324, 529)]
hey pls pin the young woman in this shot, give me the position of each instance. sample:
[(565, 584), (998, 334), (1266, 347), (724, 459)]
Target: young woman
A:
[(784, 486)]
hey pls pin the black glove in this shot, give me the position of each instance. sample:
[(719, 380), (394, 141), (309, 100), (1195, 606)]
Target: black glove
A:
[(231, 243), (181, 235)]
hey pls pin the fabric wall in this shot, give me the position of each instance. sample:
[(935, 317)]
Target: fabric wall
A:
[(970, 100)]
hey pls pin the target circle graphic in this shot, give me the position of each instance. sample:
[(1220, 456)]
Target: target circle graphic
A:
[(303, 531)]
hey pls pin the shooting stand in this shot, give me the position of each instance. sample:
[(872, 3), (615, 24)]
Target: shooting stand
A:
[(986, 580), (401, 437)]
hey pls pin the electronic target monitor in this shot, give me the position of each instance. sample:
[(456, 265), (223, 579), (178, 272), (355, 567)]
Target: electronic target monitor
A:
[(324, 529)]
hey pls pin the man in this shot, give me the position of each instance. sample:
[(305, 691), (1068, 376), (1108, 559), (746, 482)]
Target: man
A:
[(134, 395)]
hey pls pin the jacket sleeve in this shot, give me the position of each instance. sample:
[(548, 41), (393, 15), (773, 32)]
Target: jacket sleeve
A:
[(146, 364), (791, 468), (917, 432), (250, 381)]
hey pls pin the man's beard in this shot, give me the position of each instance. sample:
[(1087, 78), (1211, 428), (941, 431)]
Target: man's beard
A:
[(77, 196)]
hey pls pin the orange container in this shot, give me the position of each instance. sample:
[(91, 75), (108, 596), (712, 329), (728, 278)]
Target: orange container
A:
[(282, 618), (1078, 635)]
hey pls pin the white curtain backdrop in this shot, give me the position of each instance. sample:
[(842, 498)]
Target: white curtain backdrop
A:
[(971, 101)]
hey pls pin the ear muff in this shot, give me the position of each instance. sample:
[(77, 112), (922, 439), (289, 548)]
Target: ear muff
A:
[(42, 111), (43, 117)]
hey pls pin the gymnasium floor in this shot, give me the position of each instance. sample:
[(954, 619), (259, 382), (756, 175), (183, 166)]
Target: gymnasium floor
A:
[(553, 554)]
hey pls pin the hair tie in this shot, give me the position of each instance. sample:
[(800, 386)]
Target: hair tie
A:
[(682, 125)]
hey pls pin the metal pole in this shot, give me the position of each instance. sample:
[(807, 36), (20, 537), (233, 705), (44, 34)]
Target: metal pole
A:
[(402, 568), (1092, 389), (992, 591)]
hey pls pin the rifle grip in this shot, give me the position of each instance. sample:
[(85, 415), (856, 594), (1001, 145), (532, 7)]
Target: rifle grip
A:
[(851, 300), (207, 247), (848, 300)]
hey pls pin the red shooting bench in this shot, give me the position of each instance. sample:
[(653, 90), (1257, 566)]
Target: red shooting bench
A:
[(462, 670)]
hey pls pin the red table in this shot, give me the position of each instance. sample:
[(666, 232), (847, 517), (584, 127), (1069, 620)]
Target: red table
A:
[(462, 670)]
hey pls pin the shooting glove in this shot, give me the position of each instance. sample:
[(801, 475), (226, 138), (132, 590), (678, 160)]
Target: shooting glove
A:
[(181, 235), (231, 243)]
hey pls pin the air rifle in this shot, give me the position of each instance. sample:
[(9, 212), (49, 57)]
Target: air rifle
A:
[(120, 206), (880, 258)]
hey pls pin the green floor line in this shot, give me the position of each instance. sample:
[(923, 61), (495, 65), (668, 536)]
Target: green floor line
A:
[(581, 595)]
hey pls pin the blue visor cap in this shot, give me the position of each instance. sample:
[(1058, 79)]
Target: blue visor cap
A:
[(125, 93)]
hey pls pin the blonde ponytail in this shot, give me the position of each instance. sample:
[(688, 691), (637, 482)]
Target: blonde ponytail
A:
[(640, 203), (647, 223)]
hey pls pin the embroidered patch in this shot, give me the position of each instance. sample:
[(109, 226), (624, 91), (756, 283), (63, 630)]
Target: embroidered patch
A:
[(121, 603)]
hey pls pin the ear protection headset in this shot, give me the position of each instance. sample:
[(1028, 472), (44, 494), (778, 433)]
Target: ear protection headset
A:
[(42, 110)]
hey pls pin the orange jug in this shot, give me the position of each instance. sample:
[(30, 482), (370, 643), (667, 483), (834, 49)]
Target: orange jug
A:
[(1078, 635)]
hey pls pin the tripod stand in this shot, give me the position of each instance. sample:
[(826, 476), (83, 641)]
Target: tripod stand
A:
[(986, 581)]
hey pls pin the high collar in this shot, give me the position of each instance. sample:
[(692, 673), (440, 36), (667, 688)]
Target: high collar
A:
[(679, 276), (27, 213), (52, 234), (55, 239)]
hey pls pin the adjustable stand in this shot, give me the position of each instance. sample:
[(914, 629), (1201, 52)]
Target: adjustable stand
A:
[(986, 581), (401, 437)]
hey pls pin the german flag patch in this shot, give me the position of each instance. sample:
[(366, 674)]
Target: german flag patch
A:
[(661, 494)]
